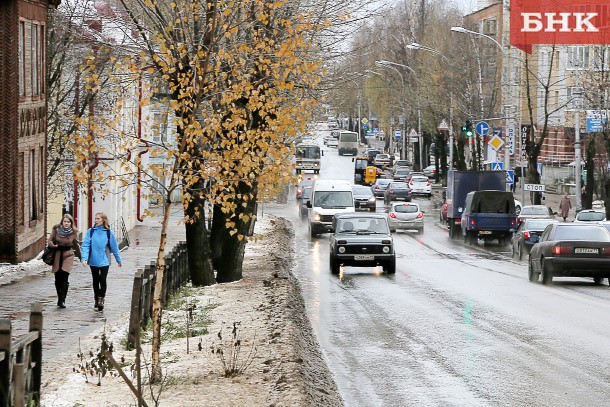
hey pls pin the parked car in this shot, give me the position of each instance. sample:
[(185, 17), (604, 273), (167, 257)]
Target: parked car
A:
[(571, 250), (518, 207), (304, 183), (382, 160), (527, 235), (402, 174), (420, 184), (590, 215), (397, 190), (534, 212), (332, 142), (361, 240), (430, 171), (380, 186), (364, 198), (405, 216), (305, 197)]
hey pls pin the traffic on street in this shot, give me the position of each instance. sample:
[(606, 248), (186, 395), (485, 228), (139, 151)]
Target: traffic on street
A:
[(456, 323)]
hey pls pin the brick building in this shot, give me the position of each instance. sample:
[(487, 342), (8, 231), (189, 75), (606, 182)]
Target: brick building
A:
[(23, 127)]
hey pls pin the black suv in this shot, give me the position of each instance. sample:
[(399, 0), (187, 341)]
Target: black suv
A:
[(362, 240), (371, 154)]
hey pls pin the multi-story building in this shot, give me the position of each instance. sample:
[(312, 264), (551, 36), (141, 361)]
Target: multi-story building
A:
[(23, 127)]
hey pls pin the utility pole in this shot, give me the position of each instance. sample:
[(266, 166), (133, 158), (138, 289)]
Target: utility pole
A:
[(577, 169)]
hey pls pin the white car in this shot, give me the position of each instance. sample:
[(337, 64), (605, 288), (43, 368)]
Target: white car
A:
[(332, 142), (420, 184), (404, 216), (590, 215)]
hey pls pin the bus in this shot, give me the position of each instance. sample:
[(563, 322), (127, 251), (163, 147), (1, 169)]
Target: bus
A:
[(348, 143), (308, 157)]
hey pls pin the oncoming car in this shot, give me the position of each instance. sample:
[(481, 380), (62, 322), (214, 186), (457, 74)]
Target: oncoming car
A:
[(361, 240)]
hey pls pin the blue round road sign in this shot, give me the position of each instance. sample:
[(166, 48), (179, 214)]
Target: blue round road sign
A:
[(482, 128)]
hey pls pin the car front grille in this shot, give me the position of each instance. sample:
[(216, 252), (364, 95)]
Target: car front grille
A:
[(367, 249), (327, 218)]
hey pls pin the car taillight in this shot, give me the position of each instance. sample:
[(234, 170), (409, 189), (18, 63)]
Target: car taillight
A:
[(376, 186), (526, 235), (561, 249), (411, 183), (428, 183), (472, 223), (420, 215), (606, 251), (392, 215), (519, 220), (391, 191)]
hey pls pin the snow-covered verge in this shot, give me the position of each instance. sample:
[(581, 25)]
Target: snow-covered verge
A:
[(14, 272), (287, 367)]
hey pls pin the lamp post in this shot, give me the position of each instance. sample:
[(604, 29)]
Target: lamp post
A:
[(507, 96), (416, 46), (359, 124), (392, 65)]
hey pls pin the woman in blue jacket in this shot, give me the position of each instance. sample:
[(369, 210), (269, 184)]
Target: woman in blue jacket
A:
[(98, 244)]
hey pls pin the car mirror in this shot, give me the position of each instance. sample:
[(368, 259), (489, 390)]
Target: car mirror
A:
[(308, 204), (352, 159), (321, 152)]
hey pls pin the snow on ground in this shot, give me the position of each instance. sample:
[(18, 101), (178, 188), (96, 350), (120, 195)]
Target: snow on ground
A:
[(14, 272)]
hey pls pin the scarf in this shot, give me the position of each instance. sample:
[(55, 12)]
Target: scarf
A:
[(64, 232)]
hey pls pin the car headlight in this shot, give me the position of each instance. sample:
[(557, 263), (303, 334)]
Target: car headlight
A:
[(386, 249), (316, 216), (341, 249), (372, 199)]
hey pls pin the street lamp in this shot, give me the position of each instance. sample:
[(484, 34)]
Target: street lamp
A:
[(359, 124), (416, 46), (392, 65)]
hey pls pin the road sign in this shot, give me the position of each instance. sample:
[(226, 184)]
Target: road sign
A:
[(534, 187), (496, 142), (364, 120), (443, 125), (510, 177), (482, 128), (510, 140), (497, 166), (525, 131), (397, 134)]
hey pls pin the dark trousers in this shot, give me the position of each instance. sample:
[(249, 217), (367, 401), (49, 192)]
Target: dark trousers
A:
[(99, 280), (61, 284)]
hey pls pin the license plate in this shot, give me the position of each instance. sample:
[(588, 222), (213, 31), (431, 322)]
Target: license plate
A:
[(364, 257), (485, 232), (585, 250)]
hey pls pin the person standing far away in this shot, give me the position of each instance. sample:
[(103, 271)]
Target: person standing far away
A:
[(99, 242), (564, 206), (64, 240)]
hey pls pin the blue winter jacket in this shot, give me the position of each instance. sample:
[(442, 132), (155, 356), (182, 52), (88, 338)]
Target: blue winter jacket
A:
[(94, 247)]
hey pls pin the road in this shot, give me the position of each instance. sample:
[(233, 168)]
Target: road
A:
[(457, 325)]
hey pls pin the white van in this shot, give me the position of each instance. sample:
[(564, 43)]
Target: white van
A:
[(348, 143), (328, 198)]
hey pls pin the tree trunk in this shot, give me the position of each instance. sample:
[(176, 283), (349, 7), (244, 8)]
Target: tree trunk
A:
[(198, 246), (219, 233)]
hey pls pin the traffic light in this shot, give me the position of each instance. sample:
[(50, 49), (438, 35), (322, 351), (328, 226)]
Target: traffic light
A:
[(467, 128)]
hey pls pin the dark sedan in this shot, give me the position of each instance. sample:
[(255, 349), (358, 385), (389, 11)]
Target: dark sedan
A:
[(527, 235), (396, 191), (571, 250), (364, 198)]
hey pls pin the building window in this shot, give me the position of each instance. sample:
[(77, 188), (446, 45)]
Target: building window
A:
[(22, 51), (578, 57), (40, 176), (21, 191), (160, 128), (33, 186), (34, 58)]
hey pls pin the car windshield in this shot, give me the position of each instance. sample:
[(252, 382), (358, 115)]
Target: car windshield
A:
[(591, 216), (333, 199), (398, 185), (306, 194), (534, 210), (403, 172), (382, 157), (593, 233), (538, 224), (406, 208), (359, 190), (382, 182), (361, 164), (362, 225), (401, 163), (419, 179)]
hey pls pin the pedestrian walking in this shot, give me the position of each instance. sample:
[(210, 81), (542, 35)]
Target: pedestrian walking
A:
[(98, 243), (565, 205), (64, 240)]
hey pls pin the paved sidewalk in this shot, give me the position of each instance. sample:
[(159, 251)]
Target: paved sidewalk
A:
[(64, 327)]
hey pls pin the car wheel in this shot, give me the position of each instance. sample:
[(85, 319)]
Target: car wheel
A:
[(312, 234), (513, 252), (519, 251), (334, 265), (472, 237), (390, 266), (531, 274), (547, 276), (517, 209), (598, 280), (430, 195)]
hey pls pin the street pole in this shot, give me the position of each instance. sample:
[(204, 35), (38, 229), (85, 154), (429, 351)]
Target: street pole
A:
[(450, 132), (577, 169), (421, 140)]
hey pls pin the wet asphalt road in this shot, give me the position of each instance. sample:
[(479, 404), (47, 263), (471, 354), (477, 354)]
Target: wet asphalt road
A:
[(457, 325), (62, 328)]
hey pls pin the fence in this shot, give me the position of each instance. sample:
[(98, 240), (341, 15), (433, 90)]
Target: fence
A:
[(175, 276), (20, 362)]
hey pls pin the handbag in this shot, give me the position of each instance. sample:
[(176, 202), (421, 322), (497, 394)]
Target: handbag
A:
[(48, 256)]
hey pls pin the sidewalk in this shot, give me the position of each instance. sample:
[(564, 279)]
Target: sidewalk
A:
[(64, 327)]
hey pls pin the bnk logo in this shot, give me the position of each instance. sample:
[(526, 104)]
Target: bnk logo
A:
[(557, 22)]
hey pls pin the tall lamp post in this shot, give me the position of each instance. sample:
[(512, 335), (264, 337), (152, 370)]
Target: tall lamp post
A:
[(506, 95), (416, 46), (391, 65)]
